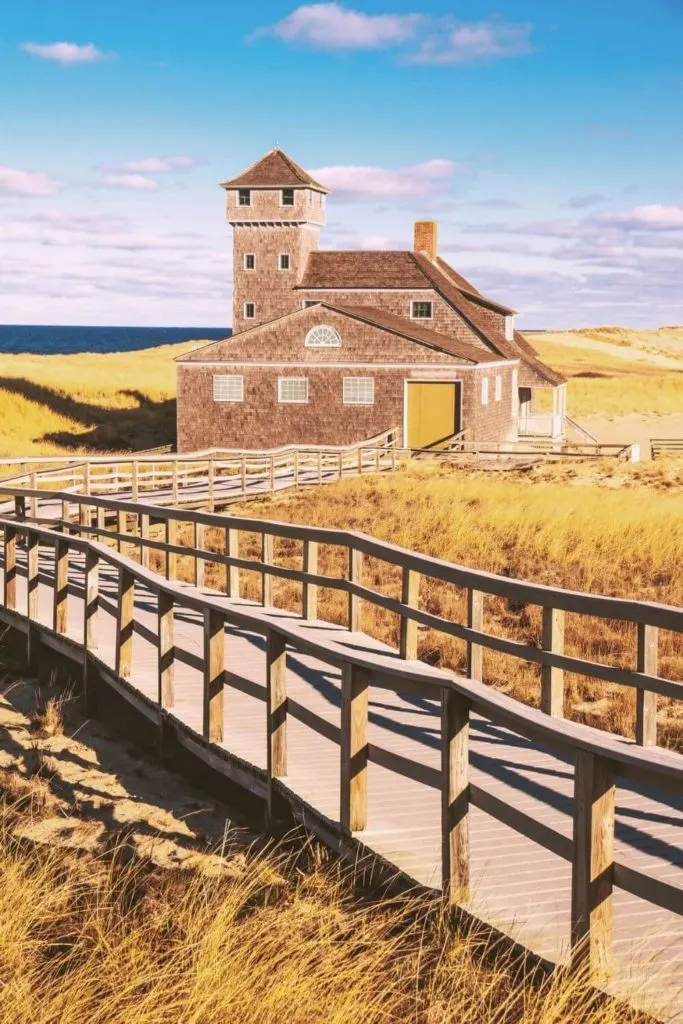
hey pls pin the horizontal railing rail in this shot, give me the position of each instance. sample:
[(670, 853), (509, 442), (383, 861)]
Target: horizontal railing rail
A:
[(600, 759)]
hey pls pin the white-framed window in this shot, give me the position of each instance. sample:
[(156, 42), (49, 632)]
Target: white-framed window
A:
[(358, 390), (484, 391), (292, 389), (498, 387), (228, 387), (249, 310), (322, 337), (283, 261), (421, 310), (287, 198), (244, 197), (249, 261)]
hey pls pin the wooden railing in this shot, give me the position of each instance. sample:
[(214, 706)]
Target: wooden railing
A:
[(665, 446), (600, 759)]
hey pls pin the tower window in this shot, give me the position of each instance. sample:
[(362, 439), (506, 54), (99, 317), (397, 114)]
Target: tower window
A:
[(358, 390), (228, 387), (249, 310), (420, 310), (284, 261), (288, 197), (244, 197), (249, 261), (293, 390)]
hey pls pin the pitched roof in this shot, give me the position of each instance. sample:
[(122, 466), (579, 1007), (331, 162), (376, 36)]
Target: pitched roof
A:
[(399, 325), (274, 170), (415, 332), (377, 268)]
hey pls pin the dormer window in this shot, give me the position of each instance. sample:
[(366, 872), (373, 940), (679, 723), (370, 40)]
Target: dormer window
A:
[(244, 197), (420, 310), (288, 197)]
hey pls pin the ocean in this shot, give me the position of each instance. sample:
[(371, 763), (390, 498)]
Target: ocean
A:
[(44, 340)]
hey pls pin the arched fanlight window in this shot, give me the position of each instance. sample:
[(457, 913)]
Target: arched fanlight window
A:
[(322, 337)]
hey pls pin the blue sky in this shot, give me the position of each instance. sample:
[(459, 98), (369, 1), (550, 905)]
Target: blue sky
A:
[(546, 139)]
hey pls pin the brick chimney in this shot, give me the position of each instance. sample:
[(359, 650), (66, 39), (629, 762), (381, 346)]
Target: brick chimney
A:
[(425, 237)]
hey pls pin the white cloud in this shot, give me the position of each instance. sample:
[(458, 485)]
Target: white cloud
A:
[(452, 42), (155, 164), (429, 40), (64, 53), (136, 182), (349, 181), (332, 26), (654, 217), (27, 183)]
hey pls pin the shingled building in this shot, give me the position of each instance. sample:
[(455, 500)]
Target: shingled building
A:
[(333, 347)]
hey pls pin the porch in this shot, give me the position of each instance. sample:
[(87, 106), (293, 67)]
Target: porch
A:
[(542, 411)]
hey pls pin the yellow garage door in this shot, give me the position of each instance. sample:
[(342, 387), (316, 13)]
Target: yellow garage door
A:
[(433, 413)]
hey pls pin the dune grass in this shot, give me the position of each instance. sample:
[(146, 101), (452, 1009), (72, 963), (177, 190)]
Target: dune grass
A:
[(103, 935), (101, 402), (616, 532)]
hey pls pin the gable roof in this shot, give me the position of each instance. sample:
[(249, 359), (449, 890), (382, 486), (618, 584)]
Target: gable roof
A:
[(274, 170), (369, 314), (329, 269)]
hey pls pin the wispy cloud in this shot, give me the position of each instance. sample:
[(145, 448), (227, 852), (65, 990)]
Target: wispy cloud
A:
[(654, 217), (369, 184), (14, 181), (582, 202), (154, 164), (135, 182), (65, 53), (495, 204), (424, 39)]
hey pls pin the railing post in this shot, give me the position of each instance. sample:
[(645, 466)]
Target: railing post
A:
[(20, 508), (32, 584), (121, 527), (84, 520), (232, 572), (309, 600), (32, 482), (271, 473), (355, 576), (86, 478), (175, 482), (61, 585), (296, 468), (90, 607), (267, 579), (410, 595), (165, 650), (134, 485), (360, 460), (65, 516), (101, 525), (475, 620), (455, 799), (354, 749), (124, 623), (243, 473), (552, 678), (593, 864), (10, 582), (171, 556), (214, 675), (144, 536), (276, 722), (211, 485), (646, 700), (320, 467)]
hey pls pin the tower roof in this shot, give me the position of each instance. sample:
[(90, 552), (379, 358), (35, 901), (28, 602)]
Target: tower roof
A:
[(274, 170)]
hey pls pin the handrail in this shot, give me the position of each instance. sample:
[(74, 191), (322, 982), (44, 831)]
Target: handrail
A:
[(599, 758), (581, 429), (649, 617)]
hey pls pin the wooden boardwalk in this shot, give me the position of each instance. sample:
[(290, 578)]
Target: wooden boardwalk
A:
[(516, 885)]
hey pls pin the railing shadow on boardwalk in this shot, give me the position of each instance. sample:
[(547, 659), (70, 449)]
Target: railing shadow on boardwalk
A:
[(550, 781)]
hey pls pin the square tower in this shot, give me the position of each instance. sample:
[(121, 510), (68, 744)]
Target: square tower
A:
[(276, 211)]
